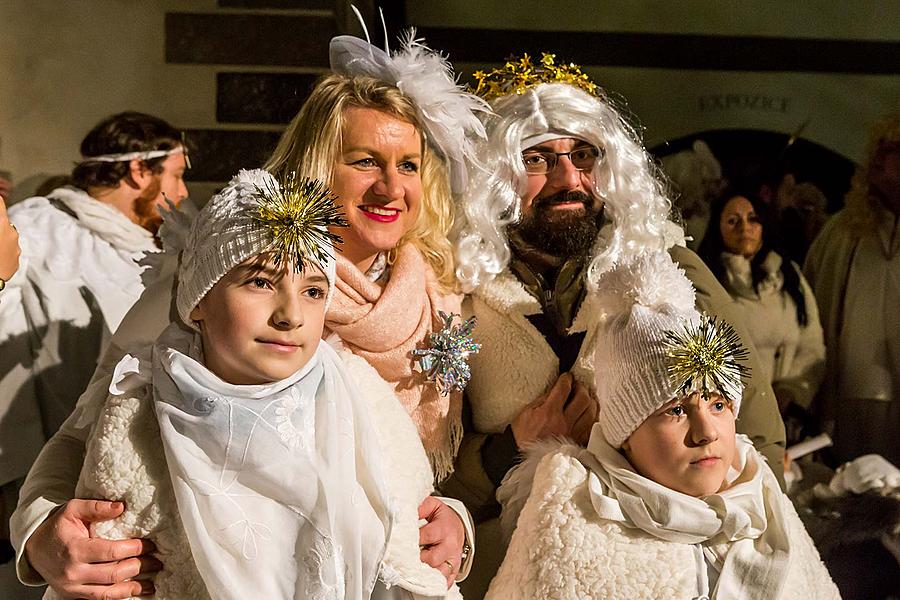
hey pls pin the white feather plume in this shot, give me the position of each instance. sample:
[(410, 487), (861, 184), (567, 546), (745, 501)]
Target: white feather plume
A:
[(651, 280), (446, 111)]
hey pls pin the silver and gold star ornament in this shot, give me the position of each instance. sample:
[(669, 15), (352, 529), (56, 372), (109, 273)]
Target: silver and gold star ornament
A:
[(706, 357), (446, 359), (297, 214)]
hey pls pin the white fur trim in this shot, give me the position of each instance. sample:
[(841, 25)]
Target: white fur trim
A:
[(515, 489), (509, 341)]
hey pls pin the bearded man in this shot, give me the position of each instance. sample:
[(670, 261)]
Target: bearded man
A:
[(79, 274), (566, 192)]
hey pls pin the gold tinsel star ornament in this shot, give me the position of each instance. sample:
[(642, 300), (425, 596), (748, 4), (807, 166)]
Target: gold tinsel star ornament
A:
[(295, 215), (707, 357)]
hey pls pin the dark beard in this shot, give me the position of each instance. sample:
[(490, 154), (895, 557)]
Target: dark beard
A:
[(145, 209), (561, 233)]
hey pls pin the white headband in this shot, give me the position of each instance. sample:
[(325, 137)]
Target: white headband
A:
[(127, 156), (547, 136)]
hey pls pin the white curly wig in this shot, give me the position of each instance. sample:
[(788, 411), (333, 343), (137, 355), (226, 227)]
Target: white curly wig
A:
[(626, 179)]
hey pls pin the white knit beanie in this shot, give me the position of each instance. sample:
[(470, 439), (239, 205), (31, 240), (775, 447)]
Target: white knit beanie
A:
[(223, 235), (642, 299)]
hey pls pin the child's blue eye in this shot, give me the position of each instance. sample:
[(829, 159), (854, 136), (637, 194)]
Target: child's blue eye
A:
[(259, 282)]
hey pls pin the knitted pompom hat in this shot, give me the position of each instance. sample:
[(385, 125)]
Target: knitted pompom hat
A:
[(647, 302), (237, 224)]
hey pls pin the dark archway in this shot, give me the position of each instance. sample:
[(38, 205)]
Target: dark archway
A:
[(757, 157)]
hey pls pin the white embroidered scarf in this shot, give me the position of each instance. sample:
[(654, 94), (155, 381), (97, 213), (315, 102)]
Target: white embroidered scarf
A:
[(742, 530), (280, 486)]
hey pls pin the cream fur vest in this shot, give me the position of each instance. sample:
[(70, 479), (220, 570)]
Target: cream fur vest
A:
[(124, 461), (561, 549), (511, 344)]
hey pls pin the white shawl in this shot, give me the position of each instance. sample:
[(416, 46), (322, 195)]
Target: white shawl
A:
[(108, 223), (742, 530), (280, 487)]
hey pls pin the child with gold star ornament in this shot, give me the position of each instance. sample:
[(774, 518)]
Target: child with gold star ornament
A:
[(666, 501), (260, 461)]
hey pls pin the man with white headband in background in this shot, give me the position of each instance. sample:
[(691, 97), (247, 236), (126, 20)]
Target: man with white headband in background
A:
[(79, 274), (566, 192)]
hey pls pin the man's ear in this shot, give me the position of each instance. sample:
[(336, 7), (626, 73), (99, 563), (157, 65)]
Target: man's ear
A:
[(139, 176), (198, 314)]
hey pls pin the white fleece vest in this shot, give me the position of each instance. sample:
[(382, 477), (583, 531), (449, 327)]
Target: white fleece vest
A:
[(124, 461), (562, 550), (512, 345)]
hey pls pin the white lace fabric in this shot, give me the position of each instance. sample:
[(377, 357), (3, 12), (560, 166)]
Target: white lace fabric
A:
[(280, 487)]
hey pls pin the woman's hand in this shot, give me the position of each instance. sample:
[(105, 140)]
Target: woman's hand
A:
[(441, 538), (9, 246), (79, 566)]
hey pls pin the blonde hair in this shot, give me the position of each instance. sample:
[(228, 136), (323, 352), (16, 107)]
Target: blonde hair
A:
[(312, 142), (860, 204)]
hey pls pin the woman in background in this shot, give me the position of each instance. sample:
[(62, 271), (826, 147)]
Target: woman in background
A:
[(780, 309)]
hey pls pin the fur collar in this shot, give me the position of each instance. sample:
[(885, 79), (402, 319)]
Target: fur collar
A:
[(509, 342)]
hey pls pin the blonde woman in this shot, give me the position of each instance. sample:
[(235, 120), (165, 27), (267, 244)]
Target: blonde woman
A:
[(393, 167)]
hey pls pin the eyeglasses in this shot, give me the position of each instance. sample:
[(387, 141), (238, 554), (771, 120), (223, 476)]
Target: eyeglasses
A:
[(539, 162)]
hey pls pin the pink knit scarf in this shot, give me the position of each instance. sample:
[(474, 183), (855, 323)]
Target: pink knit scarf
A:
[(384, 325)]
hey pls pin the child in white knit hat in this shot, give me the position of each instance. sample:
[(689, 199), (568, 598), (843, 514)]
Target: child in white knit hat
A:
[(259, 461), (666, 501)]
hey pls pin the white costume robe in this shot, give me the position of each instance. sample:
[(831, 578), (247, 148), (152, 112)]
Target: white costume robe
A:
[(78, 277), (856, 278), (563, 549), (56, 471), (792, 356)]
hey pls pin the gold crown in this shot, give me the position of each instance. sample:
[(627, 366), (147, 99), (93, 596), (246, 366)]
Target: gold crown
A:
[(519, 74)]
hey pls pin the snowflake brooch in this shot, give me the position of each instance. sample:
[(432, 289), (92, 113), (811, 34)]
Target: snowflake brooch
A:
[(446, 360)]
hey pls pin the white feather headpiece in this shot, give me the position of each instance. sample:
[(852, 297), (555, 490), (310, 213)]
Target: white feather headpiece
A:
[(446, 111)]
